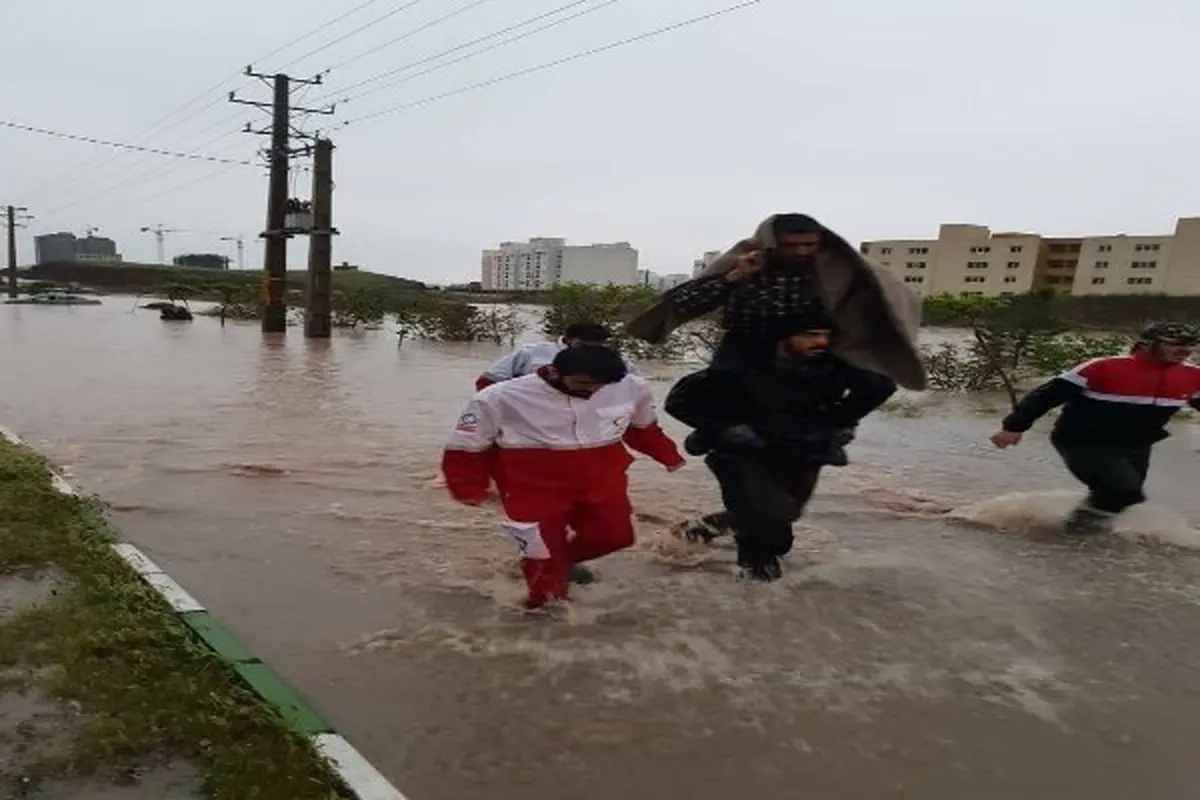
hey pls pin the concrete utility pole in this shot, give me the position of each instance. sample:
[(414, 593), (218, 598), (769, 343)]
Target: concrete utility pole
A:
[(277, 231), (317, 317), (10, 219)]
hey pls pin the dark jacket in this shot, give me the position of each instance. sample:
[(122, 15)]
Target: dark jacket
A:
[(796, 412), (1121, 400)]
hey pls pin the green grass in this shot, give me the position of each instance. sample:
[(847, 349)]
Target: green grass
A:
[(147, 687)]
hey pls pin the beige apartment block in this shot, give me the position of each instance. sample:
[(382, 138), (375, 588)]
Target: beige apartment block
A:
[(973, 260)]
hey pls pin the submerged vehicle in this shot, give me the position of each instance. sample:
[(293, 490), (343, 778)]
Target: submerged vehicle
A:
[(54, 299)]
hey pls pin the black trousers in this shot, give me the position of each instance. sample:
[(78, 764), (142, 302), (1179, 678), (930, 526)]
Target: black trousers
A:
[(1114, 474), (763, 496)]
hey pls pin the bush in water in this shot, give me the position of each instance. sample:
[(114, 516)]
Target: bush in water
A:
[(459, 322), (358, 307), (1012, 341), (611, 306)]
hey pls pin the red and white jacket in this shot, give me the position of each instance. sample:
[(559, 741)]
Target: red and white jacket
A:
[(1114, 400), (543, 440)]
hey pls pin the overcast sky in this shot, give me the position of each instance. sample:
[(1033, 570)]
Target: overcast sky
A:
[(880, 118)]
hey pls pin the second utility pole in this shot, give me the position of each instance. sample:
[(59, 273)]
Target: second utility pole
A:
[(11, 219), (317, 315)]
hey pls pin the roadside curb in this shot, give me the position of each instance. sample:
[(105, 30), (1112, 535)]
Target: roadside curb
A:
[(362, 779)]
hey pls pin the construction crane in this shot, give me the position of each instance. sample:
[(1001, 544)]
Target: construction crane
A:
[(159, 232), (240, 241)]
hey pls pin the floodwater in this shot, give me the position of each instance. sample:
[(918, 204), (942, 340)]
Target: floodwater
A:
[(927, 642)]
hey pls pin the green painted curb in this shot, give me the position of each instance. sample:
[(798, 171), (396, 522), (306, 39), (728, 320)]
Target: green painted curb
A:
[(296, 713), (218, 638)]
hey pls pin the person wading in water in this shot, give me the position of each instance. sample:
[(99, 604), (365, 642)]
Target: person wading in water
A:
[(561, 436), (1115, 410), (767, 432)]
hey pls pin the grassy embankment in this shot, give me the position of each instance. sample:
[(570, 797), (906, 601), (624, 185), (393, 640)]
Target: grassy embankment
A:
[(146, 690), (151, 279)]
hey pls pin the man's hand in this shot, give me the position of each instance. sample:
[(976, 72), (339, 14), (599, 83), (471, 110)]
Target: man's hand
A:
[(1003, 438), (747, 264), (676, 466)]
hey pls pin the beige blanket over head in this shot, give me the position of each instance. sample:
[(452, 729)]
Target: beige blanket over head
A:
[(876, 315)]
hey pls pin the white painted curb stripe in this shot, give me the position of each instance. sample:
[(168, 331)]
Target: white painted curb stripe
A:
[(366, 782), (355, 771)]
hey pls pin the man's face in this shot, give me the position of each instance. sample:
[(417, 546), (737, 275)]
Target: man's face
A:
[(582, 386), (1172, 352), (803, 345), (797, 245)]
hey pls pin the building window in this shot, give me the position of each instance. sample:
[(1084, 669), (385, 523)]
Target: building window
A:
[(1010, 278), (918, 251), (1104, 248), (915, 265), (1143, 264), (970, 294), (974, 279), (1101, 265), (914, 278), (977, 265), (981, 249), (865, 249), (1139, 281), (1099, 281), (1014, 265), (1016, 248), (885, 250)]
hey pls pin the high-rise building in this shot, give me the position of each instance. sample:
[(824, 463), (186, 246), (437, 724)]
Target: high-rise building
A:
[(973, 260), (62, 247), (542, 263)]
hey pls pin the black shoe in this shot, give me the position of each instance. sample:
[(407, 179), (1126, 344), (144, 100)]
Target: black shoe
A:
[(706, 529), (766, 570), (581, 575), (1086, 521)]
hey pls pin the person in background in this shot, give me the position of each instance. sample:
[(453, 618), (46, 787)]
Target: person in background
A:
[(1115, 410), (560, 437), (766, 433), (528, 357)]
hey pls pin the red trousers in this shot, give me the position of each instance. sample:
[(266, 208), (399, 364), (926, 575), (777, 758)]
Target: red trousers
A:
[(575, 527)]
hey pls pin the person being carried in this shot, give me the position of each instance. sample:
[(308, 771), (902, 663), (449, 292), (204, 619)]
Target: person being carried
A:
[(561, 434), (766, 433), (1115, 410), (528, 357), (793, 264)]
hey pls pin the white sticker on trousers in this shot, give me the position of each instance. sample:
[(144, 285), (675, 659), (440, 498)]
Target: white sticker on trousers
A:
[(528, 537)]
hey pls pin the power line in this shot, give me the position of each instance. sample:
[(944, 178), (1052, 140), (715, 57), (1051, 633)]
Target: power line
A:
[(464, 45), (556, 62), (119, 145), (82, 168), (129, 181), (410, 34), (355, 32)]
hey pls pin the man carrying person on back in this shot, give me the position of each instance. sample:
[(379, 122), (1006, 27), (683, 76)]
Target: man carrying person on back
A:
[(559, 437), (526, 359), (767, 432), (791, 265), (1115, 410)]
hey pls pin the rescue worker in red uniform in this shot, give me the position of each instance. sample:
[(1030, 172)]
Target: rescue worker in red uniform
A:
[(561, 434), (1115, 410)]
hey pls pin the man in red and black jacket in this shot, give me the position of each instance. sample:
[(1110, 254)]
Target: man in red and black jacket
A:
[(1115, 410)]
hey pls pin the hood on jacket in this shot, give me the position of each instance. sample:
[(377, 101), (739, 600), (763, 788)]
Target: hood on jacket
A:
[(877, 316)]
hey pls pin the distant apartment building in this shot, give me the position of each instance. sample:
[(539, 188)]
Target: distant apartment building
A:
[(701, 263), (662, 282), (63, 247), (974, 260), (542, 263)]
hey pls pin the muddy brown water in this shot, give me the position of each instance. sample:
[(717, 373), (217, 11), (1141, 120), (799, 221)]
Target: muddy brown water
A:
[(923, 644)]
